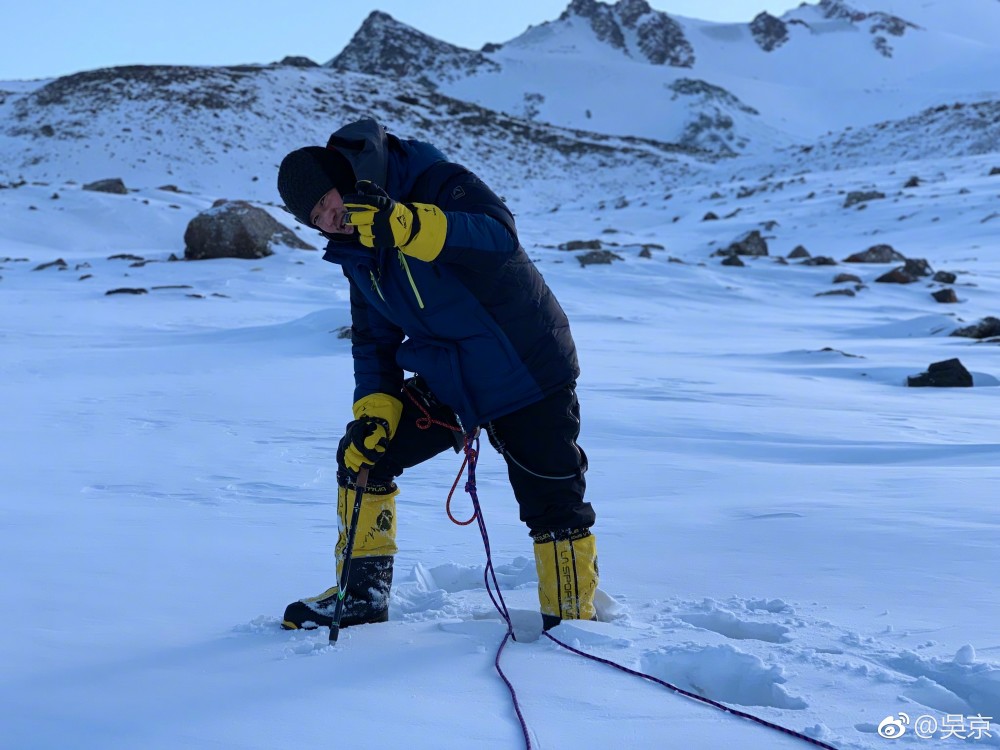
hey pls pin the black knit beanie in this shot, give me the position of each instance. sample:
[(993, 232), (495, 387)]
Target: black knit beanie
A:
[(306, 175)]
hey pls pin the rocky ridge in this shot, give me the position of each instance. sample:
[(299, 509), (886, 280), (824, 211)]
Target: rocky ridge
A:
[(657, 37), (215, 122), (384, 46)]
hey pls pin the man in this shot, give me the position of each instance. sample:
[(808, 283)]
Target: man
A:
[(441, 287)]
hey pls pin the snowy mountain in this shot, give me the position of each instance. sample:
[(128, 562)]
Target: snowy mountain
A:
[(223, 130), (613, 69)]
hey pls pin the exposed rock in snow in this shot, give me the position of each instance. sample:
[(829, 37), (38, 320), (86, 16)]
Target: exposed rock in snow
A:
[(769, 32), (877, 23), (236, 229), (384, 46), (602, 20), (660, 39), (711, 125)]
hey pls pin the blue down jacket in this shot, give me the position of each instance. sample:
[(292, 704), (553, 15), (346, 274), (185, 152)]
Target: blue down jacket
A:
[(478, 323)]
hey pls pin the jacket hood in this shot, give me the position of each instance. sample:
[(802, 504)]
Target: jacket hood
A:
[(389, 162)]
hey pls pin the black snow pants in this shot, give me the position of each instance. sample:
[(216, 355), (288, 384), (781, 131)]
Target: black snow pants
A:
[(544, 463)]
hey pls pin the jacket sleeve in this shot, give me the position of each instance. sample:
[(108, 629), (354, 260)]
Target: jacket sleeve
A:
[(374, 342), (481, 231)]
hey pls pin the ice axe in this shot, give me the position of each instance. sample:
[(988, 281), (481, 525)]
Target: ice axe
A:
[(345, 570)]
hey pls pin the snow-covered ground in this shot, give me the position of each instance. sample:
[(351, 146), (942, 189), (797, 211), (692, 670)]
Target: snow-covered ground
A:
[(784, 526)]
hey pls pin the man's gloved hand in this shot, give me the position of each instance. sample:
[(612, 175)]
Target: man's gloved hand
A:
[(367, 437), (418, 229)]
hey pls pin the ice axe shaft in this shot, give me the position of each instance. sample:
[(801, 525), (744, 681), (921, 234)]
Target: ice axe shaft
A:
[(345, 570)]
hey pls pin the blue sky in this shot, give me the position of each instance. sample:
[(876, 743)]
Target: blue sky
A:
[(48, 38)]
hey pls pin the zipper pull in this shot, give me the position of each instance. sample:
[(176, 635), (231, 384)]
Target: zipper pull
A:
[(375, 285)]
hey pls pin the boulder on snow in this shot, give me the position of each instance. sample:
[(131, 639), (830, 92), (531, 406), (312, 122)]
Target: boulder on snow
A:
[(986, 328), (918, 267), (876, 254), (945, 296), (950, 373), (896, 276), (236, 229), (945, 277), (57, 263), (799, 252), (862, 196), (912, 271), (114, 186), (598, 257), (846, 278), (819, 260), (751, 244), (581, 245)]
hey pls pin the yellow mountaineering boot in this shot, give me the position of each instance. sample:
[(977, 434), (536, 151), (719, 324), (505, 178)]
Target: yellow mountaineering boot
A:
[(367, 598), (567, 575)]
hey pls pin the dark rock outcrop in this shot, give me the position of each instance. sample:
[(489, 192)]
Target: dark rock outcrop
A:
[(799, 252), (987, 328), (751, 244), (945, 296), (712, 118), (945, 277), (819, 260), (298, 61), (950, 373), (659, 38), (383, 46), (114, 185), (769, 32), (876, 254), (862, 196), (601, 18), (918, 267), (896, 276), (878, 23), (598, 257), (57, 263), (236, 229), (581, 245)]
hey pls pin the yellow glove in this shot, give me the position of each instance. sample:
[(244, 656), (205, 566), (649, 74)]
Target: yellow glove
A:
[(376, 418), (418, 229)]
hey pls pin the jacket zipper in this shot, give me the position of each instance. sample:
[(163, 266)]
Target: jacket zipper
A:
[(413, 285), (376, 287)]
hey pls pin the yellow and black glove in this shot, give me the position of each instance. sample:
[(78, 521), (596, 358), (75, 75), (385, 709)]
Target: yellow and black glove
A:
[(367, 437), (418, 229)]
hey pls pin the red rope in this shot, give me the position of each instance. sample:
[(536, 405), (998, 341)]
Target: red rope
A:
[(424, 423), (447, 505)]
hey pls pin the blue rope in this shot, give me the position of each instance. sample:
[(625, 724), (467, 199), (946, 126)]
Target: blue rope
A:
[(472, 454), (489, 574)]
